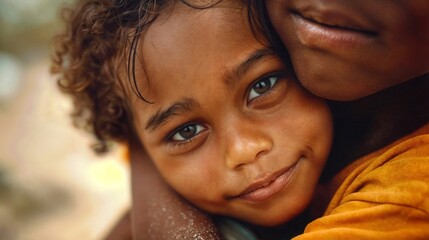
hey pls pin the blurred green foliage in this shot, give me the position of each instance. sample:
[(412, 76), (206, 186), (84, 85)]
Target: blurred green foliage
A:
[(27, 26)]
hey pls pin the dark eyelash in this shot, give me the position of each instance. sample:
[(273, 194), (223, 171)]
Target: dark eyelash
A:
[(168, 138), (179, 144), (280, 75), (188, 143)]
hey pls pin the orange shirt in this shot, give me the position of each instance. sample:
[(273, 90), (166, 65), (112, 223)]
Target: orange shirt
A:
[(384, 195)]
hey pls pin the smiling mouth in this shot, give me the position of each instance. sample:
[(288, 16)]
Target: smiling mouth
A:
[(333, 20), (328, 28), (268, 186)]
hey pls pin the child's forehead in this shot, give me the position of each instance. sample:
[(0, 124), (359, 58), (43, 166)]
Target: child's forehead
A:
[(187, 45), (181, 31), (187, 38)]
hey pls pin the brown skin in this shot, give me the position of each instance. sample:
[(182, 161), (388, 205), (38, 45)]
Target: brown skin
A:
[(121, 230), (256, 142), (158, 212), (337, 62), (371, 120), (390, 119)]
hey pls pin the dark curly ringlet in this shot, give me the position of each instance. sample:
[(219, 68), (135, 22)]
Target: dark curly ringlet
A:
[(99, 37)]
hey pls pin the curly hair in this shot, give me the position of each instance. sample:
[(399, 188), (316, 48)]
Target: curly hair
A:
[(99, 36)]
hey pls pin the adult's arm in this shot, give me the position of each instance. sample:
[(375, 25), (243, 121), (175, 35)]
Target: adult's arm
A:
[(122, 229), (386, 196), (157, 211)]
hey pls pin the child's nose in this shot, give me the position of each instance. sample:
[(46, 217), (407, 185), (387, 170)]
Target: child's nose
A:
[(245, 143)]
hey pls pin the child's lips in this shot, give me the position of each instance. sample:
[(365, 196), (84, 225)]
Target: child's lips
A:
[(267, 186)]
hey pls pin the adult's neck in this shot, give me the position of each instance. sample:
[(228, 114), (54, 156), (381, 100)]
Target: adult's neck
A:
[(368, 124), (365, 125)]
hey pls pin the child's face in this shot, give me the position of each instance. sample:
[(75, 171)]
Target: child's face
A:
[(229, 128), (347, 49)]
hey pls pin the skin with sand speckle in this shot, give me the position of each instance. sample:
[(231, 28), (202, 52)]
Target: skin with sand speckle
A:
[(180, 227), (177, 219)]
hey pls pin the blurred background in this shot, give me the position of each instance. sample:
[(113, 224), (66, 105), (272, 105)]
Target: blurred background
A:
[(52, 185)]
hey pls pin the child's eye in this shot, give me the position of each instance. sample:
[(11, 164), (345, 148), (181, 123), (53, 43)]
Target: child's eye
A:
[(186, 138), (262, 86), (186, 132)]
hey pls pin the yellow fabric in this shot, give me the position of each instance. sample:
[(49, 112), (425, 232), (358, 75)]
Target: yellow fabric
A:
[(384, 195)]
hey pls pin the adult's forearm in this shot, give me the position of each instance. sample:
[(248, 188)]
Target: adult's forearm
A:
[(157, 211)]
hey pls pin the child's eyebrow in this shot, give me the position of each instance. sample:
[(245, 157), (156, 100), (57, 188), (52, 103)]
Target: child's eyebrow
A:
[(162, 116), (242, 68), (187, 104)]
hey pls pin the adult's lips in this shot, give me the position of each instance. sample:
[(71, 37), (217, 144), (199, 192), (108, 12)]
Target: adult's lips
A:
[(333, 19), (327, 26)]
